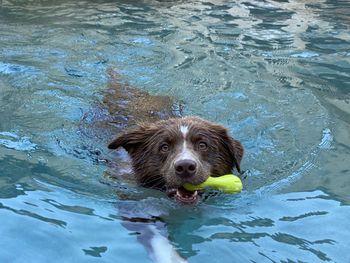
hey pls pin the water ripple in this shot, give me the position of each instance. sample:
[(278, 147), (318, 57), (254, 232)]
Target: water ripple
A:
[(13, 141)]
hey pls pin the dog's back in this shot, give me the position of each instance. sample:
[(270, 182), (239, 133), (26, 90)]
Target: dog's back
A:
[(128, 106)]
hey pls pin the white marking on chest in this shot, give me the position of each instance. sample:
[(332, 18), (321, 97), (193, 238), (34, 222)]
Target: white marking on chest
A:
[(161, 249)]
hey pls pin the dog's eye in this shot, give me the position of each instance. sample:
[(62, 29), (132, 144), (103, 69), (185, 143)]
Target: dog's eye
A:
[(164, 147), (202, 146)]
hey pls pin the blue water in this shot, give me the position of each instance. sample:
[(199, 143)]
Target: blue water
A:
[(276, 73)]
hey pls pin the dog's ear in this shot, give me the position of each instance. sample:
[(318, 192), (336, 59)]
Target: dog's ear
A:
[(131, 139), (236, 150), (233, 147)]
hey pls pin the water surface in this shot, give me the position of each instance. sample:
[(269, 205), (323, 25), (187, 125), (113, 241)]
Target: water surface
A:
[(276, 73)]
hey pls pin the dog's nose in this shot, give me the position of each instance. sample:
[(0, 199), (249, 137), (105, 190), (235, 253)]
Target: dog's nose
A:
[(185, 167)]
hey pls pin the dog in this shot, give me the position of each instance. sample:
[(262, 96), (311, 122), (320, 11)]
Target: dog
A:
[(166, 150)]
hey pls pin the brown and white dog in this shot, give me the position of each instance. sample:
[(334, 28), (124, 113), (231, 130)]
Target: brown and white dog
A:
[(169, 153), (166, 151)]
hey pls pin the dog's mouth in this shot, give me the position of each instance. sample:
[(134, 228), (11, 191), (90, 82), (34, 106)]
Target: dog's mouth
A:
[(183, 196)]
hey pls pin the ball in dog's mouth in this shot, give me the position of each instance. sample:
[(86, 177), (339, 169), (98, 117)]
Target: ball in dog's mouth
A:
[(183, 196)]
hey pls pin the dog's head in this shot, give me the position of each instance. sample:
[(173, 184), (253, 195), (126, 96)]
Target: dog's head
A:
[(167, 154)]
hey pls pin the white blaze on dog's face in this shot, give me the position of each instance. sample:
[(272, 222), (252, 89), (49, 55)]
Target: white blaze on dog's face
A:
[(184, 130), (170, 153), (186, 152)]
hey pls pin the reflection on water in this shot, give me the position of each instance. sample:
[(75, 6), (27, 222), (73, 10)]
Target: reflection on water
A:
[(276, 73)]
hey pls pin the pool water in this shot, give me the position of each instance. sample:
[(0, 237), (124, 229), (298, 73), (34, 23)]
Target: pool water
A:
[(276, 73)]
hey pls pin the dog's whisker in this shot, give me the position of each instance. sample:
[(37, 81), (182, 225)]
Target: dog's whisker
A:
[(154, 179)]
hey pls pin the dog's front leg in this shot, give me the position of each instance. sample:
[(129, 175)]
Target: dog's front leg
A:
[(150, 235)]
